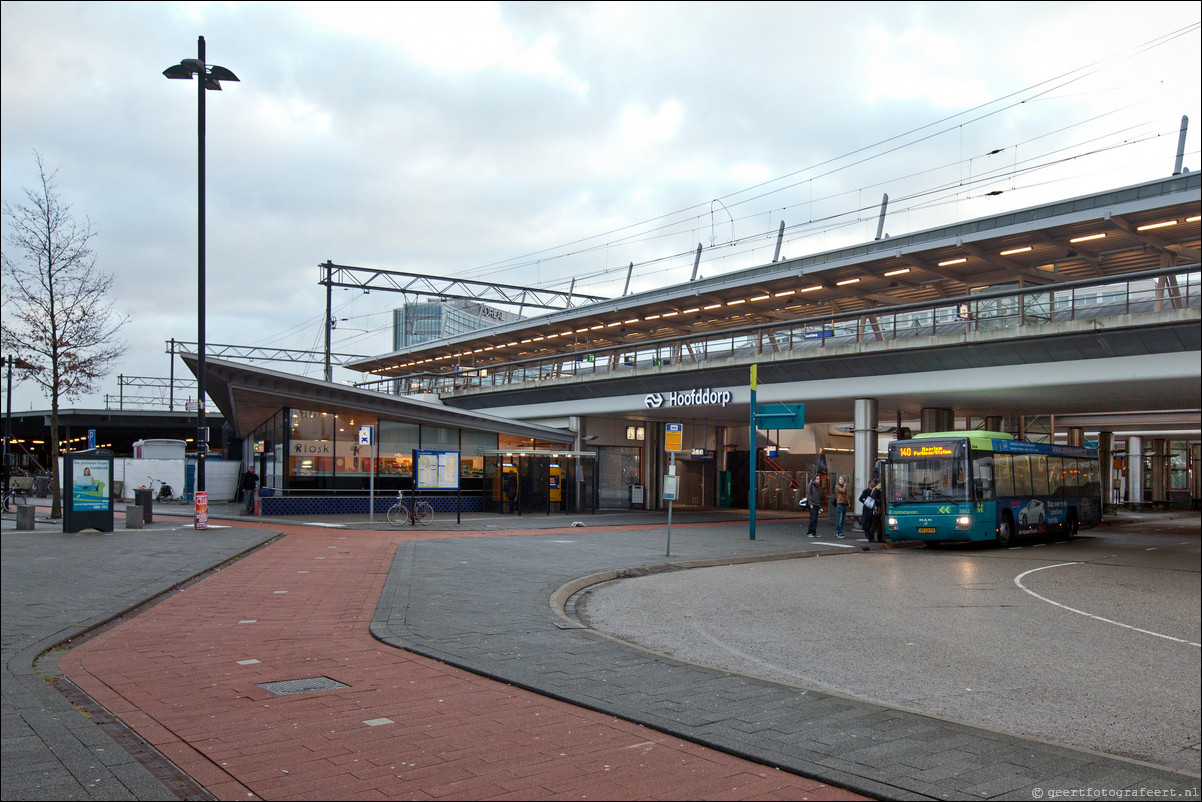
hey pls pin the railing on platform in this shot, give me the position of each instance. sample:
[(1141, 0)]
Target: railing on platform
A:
[(1147, 292)]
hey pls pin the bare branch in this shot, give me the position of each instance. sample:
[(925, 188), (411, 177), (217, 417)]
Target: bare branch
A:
[(57, 314)]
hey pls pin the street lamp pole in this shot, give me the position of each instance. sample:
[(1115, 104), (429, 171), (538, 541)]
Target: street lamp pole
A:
[(210, 78), (8, 422)]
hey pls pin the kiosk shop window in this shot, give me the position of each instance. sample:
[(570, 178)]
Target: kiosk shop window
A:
[(471, 453), (311, 444), (618, 468), (397, 443)]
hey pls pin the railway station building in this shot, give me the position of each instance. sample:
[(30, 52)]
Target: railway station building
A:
[(1077, 320)]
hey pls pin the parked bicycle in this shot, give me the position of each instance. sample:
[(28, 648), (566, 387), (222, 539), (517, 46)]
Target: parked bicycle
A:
[(14, 498), (406, 512), (165, 494)]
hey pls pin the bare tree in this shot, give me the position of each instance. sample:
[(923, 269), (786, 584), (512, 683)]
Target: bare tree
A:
[(57, 313)]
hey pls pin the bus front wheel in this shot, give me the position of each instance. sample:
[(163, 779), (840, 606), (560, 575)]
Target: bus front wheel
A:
[(1005, 531)]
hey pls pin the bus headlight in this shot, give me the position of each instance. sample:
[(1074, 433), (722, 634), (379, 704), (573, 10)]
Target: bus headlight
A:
[(891, 523), (963, 522)]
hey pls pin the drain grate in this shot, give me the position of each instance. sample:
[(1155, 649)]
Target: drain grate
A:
[(309, 685)]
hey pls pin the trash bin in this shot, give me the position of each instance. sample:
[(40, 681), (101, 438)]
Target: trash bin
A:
[(41, 486), (144, 499), (264, 492)]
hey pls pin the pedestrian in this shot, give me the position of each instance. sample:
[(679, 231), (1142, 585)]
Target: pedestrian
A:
[(250, 480), (814, 499), (869, 499), (878, 513), (510, 489), (842, 502)]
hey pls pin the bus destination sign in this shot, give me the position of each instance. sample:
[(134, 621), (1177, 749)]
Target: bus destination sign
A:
[(926, 450)]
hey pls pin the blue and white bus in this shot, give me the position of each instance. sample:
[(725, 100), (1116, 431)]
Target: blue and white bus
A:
[(977, 485)]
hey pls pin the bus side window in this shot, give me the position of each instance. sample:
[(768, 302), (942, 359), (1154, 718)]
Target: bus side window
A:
[(1056, 485), (982, 472), (1039, 475), (1003, 466)]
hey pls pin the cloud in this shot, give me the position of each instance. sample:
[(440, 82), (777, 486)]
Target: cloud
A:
[(919, 64), (549, 142), (449, 38), (640, 129)]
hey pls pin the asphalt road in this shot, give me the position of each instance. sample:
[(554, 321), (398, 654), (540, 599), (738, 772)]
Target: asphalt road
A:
[(1092, 644)]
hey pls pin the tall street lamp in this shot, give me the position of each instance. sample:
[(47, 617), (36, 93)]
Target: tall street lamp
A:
[(211, 78), (8, 416)]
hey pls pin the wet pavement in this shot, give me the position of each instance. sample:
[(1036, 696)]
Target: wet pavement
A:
[(440, 662)]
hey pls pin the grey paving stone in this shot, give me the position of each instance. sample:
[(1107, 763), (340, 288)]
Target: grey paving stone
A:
[(56, 586), (877, 750)]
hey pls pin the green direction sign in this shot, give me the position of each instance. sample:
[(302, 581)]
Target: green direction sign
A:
[(780, 416)]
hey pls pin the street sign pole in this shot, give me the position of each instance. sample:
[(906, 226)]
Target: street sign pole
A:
[(672, 475), (751, 493), (367, 438), (673, 442)]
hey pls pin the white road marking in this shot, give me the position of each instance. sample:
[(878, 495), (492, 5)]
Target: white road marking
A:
[(1018, 581)]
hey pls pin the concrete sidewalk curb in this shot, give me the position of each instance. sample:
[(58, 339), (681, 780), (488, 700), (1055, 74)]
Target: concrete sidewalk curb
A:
[(559, 599), (53, 748), (865, 747)]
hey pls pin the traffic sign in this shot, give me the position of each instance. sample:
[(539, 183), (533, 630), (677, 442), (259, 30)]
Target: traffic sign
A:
[(674, 437), (780, 416)]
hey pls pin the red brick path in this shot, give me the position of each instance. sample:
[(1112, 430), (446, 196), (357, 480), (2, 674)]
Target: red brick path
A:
[(185, 676)]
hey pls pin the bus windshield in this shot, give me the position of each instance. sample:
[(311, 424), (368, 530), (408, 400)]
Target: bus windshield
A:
[(926, 471)]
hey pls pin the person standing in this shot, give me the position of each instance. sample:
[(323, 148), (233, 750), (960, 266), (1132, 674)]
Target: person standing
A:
[(250, 481), (878, 513), (814, 499), (869, 499), (842, 502)]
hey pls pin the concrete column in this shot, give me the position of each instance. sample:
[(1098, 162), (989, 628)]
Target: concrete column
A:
[(1076, 436), (937, 420), (864, 428), (1158, 472), (1135, 471), (1196, 472), (994, 423), (1106, 470), (574, 425), (653, 468)]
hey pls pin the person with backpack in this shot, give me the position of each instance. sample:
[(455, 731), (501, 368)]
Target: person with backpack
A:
[(870, 501)]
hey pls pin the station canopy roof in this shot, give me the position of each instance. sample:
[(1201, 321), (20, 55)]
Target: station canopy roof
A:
[(1143, 227), (249, 396)]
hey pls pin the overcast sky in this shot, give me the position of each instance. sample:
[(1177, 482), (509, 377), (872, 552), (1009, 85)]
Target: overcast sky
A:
[(534, 143)]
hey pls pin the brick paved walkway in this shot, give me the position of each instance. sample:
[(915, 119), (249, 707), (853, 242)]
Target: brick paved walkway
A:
[(187, 675)]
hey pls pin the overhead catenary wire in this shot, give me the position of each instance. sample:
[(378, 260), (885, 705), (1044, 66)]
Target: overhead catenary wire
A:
[(674, 224), (1016, 98)]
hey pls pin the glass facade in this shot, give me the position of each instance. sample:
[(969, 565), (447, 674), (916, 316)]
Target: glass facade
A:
[(619, 468), (303, 449), (424, 321)]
